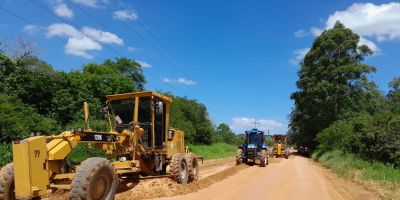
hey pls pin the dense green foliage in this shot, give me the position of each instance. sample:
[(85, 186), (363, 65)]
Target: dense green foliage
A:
[(191, 117), (213, 151), (338, 108), (35, 97)]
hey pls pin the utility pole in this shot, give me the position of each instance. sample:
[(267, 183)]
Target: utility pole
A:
[(255, 123)]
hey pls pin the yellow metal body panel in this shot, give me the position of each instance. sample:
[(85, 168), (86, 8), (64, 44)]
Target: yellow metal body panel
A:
[(31, 177), (177, 144), (58, 149), (279, 149)]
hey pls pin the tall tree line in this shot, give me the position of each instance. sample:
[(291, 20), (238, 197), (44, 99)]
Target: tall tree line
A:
[(338, 107)]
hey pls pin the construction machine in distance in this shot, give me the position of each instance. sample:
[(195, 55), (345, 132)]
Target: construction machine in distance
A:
[(140, 142), (254, 148), (280, 148)]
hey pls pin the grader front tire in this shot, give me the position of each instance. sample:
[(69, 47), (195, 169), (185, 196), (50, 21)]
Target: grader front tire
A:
[(179, 168), (193, 167), (7, 182), (95, 180)]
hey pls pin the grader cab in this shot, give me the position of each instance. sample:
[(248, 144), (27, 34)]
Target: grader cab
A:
[(140, 142)]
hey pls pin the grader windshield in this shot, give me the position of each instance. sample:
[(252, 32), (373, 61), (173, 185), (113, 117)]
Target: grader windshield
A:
[(122, 111)]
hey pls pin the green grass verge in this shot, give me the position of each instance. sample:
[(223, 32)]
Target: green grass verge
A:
[(386, 177), (214, 151), (348, 165)]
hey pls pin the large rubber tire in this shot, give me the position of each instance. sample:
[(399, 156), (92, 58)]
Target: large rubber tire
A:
[(239, 159), (264, 158), (193, 167), (179, 168), (7, 182), (96, 179)]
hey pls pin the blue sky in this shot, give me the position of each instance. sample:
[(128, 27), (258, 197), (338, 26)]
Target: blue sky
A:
[(239, 58)]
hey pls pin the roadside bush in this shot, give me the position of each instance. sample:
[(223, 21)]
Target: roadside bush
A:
[(5, 154), (375, 138)]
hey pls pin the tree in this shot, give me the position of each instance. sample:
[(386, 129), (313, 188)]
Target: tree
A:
[(332, 82), (224, 134), (394, 95)]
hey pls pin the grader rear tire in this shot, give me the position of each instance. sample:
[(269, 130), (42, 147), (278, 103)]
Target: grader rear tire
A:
[(179, 168), (239, 159), (264, 158), (95, 180), (7, 182), (193, 167)]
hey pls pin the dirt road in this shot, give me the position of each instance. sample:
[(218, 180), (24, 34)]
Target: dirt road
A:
[(295, 178)]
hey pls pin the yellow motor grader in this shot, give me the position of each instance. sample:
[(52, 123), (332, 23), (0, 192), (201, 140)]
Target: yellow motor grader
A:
[(280, 149), (140, 143)]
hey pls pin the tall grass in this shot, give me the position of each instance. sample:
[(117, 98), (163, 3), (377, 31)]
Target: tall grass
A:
[(349, 165), (213, 151)]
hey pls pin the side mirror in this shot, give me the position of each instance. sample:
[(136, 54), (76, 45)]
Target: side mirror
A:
[(159, 107), (170, 134)]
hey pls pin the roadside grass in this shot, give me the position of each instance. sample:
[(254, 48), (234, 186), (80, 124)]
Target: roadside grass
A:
[(214, 151), (384, 176)]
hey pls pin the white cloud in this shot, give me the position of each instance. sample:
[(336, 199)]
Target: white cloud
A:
[(179, 80), (241, 124), (80, 46), (101, 36), (62, 10), (370, 21), (89, 3), (132, 49), (31, 29), (367, 19), (125, 15), (369, 43), (315, 31), (299, 56), (300, 33), (144, 64), (63, 30), (81, 42)]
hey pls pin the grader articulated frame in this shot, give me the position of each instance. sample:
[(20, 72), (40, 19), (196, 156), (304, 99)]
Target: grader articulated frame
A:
[(140, 142)]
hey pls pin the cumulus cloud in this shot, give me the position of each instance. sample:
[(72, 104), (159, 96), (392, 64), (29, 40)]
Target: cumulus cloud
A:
[(62, 10), (300, 33), (132, 49), (299, 56), (315, 31), (180, 81), (144, 64), (80, 42), (89, 3), (80, 46), (31, 29), (372, 22), (102, 36), (125, 15), (367, 19), (241, 124)]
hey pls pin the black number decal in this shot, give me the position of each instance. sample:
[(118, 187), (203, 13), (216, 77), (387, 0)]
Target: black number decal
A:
[(36, 153)]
